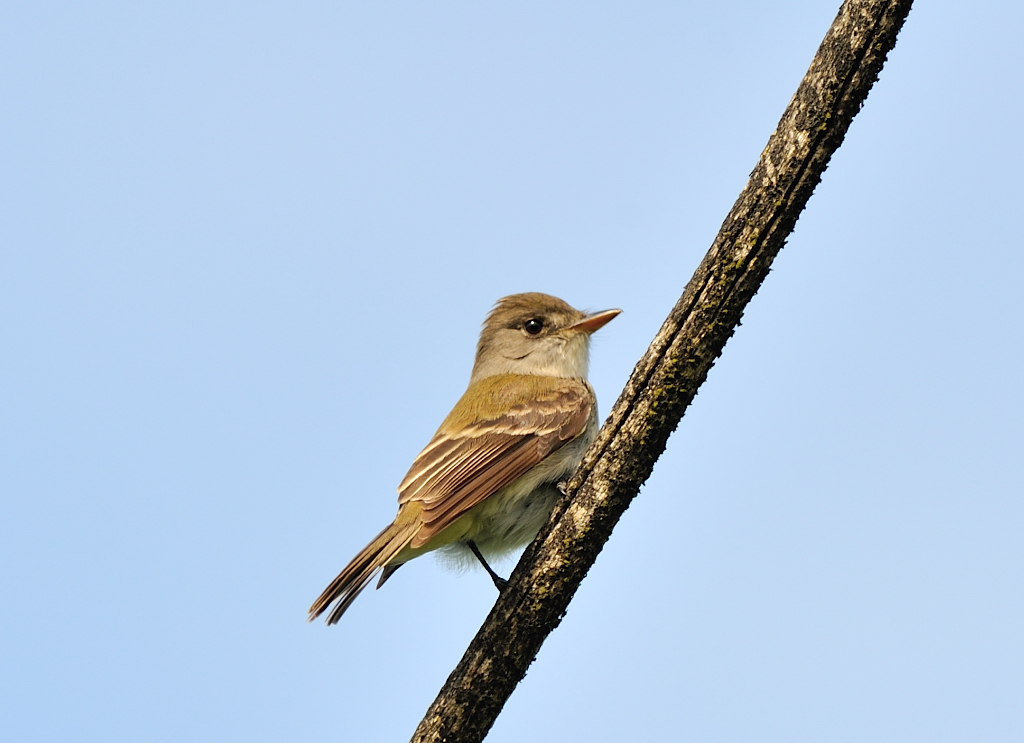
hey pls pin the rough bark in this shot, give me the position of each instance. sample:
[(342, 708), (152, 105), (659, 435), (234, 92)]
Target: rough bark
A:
[(666, 379)]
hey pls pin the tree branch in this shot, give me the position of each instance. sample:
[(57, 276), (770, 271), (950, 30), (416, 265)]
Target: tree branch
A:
[(666, 379)]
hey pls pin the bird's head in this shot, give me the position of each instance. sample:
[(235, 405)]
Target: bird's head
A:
[(539, 334)]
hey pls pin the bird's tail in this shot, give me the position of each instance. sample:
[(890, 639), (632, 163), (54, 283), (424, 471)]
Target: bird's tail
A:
[(357, 574)]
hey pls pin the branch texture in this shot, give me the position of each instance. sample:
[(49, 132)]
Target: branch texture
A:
[(666, 379)]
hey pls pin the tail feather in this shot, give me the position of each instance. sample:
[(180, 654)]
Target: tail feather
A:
[(357, 574), (387, 572)]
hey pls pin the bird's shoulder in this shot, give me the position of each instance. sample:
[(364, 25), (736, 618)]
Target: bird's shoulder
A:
[(524, 403)]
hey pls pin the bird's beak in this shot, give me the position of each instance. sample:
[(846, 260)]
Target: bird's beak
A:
[(598, 320)]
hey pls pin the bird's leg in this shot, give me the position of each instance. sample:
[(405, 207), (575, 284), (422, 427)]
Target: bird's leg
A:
[(499, 582), (563, 486)]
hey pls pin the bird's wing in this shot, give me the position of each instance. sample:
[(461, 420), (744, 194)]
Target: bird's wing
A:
[(503, 426)]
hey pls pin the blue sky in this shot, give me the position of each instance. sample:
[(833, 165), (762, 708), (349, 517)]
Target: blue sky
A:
[(246, 251)]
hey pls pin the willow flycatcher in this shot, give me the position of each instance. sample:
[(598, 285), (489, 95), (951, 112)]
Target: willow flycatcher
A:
[(489, 478)]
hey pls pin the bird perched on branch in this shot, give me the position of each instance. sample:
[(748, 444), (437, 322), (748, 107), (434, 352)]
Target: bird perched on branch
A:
[(489, 478)]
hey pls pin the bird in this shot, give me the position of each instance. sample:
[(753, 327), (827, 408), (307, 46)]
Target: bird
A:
[(490, 476)]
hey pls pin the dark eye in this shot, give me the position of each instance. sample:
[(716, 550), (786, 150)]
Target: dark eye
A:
[(533, 326)]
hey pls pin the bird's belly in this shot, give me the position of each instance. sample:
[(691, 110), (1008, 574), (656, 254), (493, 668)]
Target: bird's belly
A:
[(511, 518)]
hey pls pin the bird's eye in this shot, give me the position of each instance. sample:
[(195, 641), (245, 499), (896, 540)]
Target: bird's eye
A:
[(533, 326)]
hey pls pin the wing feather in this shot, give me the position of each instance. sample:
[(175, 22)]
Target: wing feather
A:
[(501, 428)]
